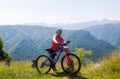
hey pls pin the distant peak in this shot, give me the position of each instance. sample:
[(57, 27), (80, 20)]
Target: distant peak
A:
[(105, 19)]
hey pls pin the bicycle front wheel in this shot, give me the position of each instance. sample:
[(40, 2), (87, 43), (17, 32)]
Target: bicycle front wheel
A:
[(43, 64), (75, 65)]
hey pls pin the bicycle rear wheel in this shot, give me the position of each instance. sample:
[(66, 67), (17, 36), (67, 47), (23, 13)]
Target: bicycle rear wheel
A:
[(75, 65), (43, 64)]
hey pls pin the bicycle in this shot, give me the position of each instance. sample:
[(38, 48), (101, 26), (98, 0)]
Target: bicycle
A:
[(44, 63)]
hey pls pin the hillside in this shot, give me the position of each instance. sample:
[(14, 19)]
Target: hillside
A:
[(107, 68), (23, 48), (26, 42), (107, 32), (87, 41)]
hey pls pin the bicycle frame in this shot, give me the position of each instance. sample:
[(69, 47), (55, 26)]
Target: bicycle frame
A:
[(60, 51), (57, 57)]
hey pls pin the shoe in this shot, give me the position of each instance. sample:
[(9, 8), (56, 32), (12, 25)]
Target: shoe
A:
[(54, 68)]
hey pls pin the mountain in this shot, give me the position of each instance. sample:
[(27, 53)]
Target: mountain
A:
[(108, 32), (22, 48), (87, 41), (26, 42), (81, 25), (7, 32)]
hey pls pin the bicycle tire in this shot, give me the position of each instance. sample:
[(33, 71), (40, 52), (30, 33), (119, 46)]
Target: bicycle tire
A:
[(78, 62), (39, 63)]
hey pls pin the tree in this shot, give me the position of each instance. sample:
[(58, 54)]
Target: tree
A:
[(3, 54), (1, 43), (84, 55)]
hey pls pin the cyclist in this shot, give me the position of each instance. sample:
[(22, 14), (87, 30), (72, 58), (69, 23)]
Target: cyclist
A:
[(56, 41), (58, 46)]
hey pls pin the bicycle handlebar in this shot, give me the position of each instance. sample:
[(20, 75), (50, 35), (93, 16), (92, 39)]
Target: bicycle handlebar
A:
[(64, 44)]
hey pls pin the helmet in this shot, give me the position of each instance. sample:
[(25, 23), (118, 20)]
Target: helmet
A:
[(59, 30)]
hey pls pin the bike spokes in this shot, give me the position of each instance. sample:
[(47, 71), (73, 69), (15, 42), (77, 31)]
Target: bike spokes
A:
[(71, 64), (43, 64)]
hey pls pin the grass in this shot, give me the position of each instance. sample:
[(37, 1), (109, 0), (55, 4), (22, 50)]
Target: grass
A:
[(108, 68), (23, 70)]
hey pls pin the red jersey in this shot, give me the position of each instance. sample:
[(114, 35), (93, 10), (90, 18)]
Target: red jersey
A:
[(54, 45)]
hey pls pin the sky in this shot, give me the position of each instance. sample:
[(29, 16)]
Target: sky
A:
[(57, 11)]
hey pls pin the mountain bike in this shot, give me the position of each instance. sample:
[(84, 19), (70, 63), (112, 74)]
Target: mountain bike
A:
[(70, 62)]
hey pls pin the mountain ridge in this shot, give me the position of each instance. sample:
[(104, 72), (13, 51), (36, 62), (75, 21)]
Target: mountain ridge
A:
[(108, 32), (41, 38)]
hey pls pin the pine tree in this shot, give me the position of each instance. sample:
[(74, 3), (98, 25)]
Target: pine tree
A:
[(3, 54), (1, 43)]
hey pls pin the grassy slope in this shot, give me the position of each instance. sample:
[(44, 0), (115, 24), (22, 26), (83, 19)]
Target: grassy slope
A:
[(23, 70), (108, 68)]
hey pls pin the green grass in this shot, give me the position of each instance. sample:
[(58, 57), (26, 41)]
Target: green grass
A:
[(23, 70), (108, 68)]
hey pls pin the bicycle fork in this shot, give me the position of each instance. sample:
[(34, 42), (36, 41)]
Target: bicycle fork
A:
[(68, 59)]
